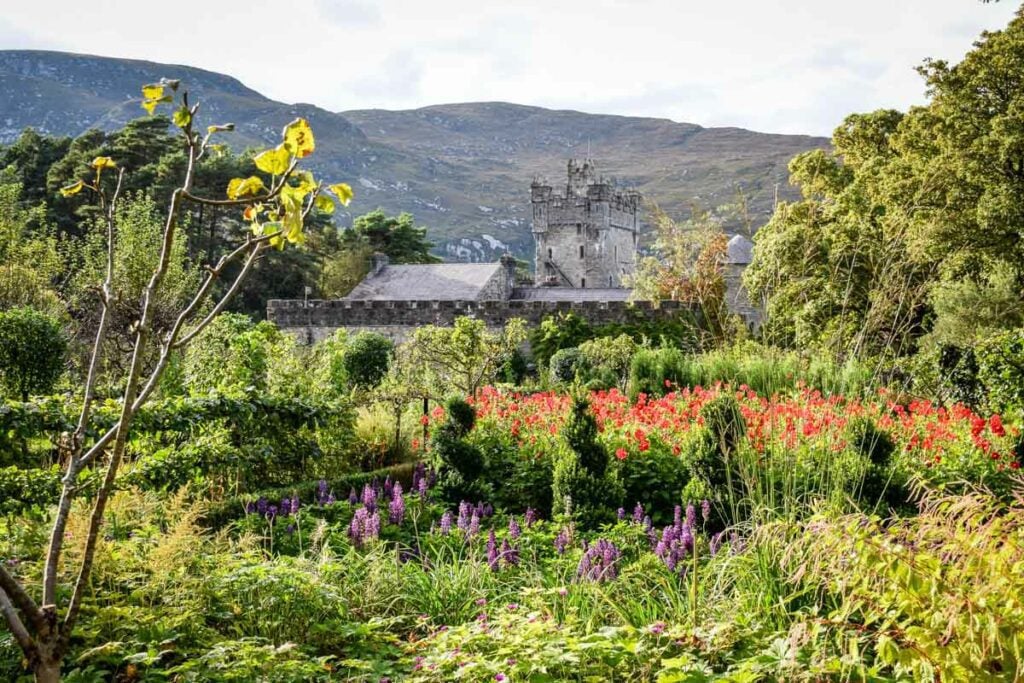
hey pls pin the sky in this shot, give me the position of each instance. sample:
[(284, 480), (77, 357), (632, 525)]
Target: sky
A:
[(783, 66)]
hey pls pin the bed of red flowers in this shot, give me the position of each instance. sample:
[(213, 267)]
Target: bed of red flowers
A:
[(940, 443)]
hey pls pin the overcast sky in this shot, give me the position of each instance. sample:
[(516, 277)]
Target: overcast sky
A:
[(792, 66)]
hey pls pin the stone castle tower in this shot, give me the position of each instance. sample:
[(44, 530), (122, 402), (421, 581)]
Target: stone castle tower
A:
[(587, 237)]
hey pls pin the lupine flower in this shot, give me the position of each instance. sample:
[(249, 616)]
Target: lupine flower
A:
[(492, 551), (691, 515), (464, 516), (677, 517), (705, 510), (638, 513), (365, 526), (509, 554), (621, 514), (598, 562), (321, 492), (474, 525), (422, 488), (530, 517), (388, 488), (446, 522), (353, 498), (261, 505), (715, 543), (396, 509), (369, 497), (561, 541), (513, 528)]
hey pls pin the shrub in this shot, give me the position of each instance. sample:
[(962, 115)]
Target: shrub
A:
[(568, 365), (1001, 370), (582, 475), (33, 351), (656, 480), (368, 359), (457, 461)]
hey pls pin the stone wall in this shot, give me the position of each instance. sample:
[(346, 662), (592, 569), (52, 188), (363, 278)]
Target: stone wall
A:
[(317, 319)]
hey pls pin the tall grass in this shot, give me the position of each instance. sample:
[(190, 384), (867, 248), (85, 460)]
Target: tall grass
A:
[(764, 369)]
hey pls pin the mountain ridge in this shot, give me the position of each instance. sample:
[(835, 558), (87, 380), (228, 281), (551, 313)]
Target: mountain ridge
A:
[(463, 169)]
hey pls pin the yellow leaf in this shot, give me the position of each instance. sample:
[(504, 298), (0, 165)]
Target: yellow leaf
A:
[(245, 187), (298, 138), (343, 192), (153, 91), (182, 116), (225, 128), (100, 163), (324, 204), (273, 161), (73, 188)]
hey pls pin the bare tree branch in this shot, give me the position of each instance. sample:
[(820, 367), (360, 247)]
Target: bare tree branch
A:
[(21, 634)]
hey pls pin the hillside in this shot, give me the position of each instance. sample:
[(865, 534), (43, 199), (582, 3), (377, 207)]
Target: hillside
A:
[(462, 169)]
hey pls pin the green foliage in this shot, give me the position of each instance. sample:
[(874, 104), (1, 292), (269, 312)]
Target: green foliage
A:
[(457, 460), (656, 480), (23, 491), (1001, 371), (368, 359), (33, 352), (584, 480), (613, 355), (463, 357), (568, 366), (395, 236), (911, 226)]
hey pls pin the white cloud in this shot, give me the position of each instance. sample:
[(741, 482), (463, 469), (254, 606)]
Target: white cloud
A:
[(783, 65)]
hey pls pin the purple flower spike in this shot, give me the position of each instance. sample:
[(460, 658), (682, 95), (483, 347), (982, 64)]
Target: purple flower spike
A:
[(561, 541), (621, 513), (691, 516), (474, 525), (531, 517), (705, 510), (513, 528), (396, 509), (353, 497), (638, 513), (446, 522), (599, 562), (492, 551)]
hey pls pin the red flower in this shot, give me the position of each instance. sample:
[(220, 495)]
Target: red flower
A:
[(620, 454)]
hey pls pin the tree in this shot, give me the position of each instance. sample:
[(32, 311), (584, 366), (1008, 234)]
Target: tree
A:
[(463, 357), (368, 358), (914, 224), (33, 352), (31, 264), (274, 204), (687, 266), (395, 236)]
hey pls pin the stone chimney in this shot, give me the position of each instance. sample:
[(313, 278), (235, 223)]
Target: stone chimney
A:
[(378, 262), (508, 262)]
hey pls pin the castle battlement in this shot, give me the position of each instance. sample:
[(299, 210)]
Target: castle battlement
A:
[(587, 236)]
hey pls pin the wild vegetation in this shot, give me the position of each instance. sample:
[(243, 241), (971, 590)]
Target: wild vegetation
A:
[(189, 494)]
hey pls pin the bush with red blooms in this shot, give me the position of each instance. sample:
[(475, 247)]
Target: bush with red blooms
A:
[(817, 444)]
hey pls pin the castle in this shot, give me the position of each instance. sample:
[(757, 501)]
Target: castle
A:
[(585, 246), (586, 237)]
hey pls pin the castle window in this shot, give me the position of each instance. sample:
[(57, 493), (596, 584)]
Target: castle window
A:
[(549, 253), (581, 251), (583, 282), (609, 280), (579, 228)]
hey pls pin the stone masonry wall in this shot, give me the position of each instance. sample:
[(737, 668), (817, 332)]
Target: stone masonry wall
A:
[(318, 319)]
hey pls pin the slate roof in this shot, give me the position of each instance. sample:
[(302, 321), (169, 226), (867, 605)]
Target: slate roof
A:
[(440, 281), (740, 250), (569, 294)]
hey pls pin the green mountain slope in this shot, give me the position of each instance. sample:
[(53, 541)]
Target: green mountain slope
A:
[(462, 169)]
